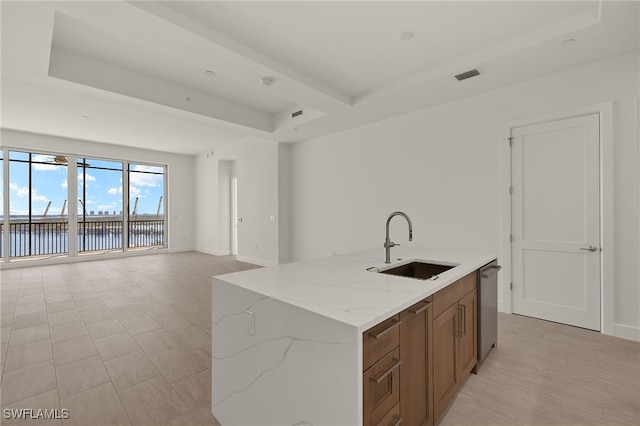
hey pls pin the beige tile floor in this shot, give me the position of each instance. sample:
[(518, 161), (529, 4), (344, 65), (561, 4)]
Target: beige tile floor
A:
[(545, 374), (127, 342), (116, 342)]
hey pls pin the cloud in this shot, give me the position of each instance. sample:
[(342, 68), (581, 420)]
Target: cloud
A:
[(23, 191), (114, 191), (64, 184), (46, 167), (146, 179), (144, 168), (133, 191), (90, 178)]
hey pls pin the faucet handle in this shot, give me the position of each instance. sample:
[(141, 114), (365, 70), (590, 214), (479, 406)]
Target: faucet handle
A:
[(389, 244)]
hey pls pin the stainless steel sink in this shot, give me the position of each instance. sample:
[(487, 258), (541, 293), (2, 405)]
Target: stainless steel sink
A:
[(418, 269)]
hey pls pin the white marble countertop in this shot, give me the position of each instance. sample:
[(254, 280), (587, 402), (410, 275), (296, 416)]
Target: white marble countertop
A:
[(341, 288)]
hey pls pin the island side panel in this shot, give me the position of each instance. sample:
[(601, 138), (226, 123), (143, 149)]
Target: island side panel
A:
[(298, 368)]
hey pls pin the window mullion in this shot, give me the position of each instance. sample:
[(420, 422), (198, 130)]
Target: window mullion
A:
[(125, 206), (72, 196), (6, 238)]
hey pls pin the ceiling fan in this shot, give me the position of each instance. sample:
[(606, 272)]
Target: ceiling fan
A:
[(63, 160)]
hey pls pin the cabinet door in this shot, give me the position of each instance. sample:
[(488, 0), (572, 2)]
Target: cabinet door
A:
[(416, 385), (445, 358), (468, 346), (381, 385)]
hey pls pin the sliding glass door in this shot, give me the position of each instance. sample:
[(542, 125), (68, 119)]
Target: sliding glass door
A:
[(100, 218), (146, 206), (115, 205), (38, 219)]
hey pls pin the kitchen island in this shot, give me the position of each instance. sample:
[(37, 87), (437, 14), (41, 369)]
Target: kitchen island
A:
[(287, 341)]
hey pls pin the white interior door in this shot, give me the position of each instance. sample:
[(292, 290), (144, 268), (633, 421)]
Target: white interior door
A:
[(556, 221)]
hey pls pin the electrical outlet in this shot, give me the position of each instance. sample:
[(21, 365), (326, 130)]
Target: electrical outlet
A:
[(249, 323)]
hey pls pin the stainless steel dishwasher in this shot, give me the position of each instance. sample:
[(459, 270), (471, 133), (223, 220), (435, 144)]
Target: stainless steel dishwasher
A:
[(487, 309)]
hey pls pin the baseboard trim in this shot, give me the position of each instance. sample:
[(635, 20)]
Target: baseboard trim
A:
[(89, 257), (626, 332), (179, 250), (213, 252), (255, 261)]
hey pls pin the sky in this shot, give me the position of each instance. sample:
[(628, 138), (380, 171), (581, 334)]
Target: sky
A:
[(103, 187)]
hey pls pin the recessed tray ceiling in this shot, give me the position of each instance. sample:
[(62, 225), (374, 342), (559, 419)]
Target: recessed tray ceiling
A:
[(358, 47), (91, 56)]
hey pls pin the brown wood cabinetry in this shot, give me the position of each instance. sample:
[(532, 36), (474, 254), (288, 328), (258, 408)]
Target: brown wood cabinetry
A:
[(398, 368), (468, 346), (445, 355), (382, 388), (381, 377), (416, 383), (454, 339), (415, 362)]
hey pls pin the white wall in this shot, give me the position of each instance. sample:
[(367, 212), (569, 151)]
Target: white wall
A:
[(179, 174), (256, 167), (442, 166)]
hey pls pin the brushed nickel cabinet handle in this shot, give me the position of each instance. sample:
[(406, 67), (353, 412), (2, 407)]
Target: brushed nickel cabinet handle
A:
[(420, 309), (590, 248), (380, 377), (464, 320), (386, 330), (459, 309)]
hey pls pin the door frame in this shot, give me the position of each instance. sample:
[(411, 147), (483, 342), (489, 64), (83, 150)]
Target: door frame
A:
[(605, 112), (234, 214)]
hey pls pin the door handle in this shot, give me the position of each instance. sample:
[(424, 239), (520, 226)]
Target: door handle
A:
[(590, 248)]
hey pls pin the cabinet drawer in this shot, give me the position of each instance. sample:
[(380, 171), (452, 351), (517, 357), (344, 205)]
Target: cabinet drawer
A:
[(380, 340), (381, 385), (454, 292), (392, 418)]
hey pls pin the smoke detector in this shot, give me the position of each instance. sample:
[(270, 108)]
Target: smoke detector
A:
[(267, 81), (406, 35)]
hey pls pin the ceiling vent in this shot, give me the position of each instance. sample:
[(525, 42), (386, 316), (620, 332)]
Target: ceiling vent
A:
[(467, 74)]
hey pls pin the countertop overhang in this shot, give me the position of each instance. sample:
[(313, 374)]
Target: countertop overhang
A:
[(342, 289)]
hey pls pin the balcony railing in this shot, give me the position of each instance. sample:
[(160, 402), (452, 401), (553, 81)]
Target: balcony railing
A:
[(49, 237)]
